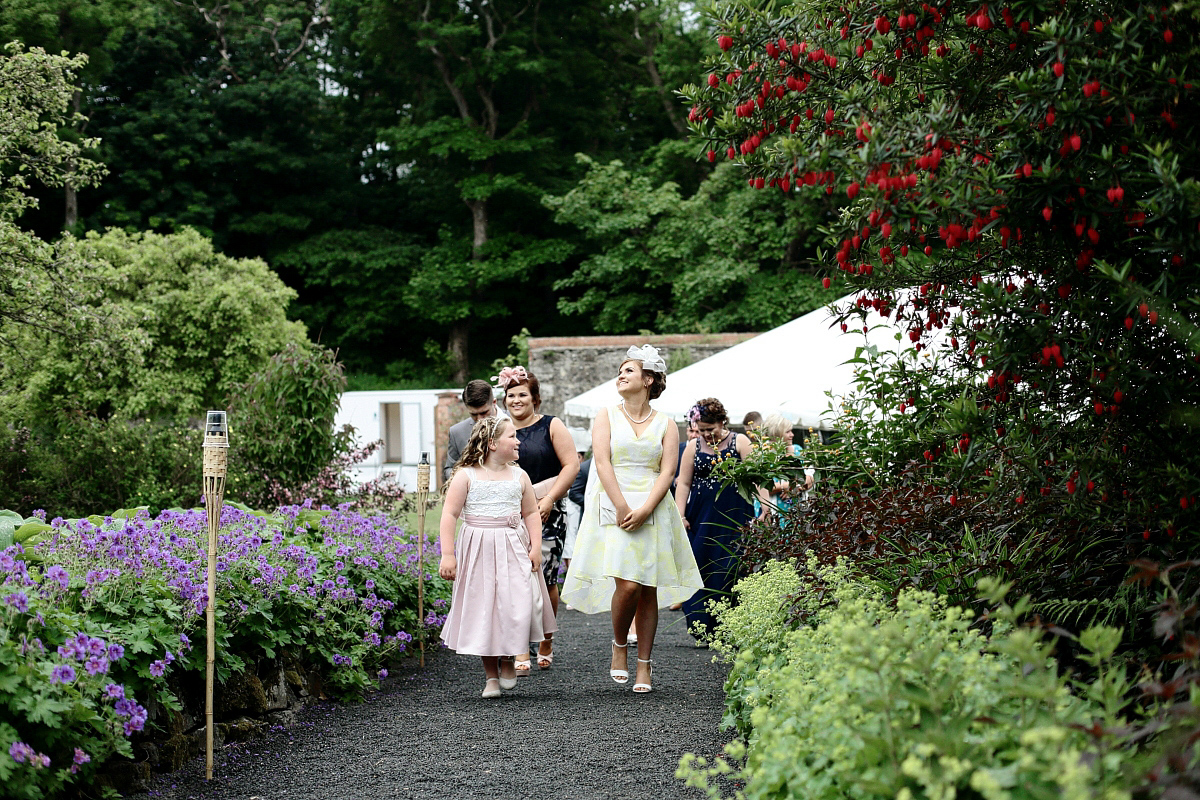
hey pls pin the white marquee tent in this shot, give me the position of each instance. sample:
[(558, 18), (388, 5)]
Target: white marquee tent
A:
[(787, 369)]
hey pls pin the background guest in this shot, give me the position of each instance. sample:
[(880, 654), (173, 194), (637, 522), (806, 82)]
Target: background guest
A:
[(692, 433), (714, 516), (777, 427), (481, 404), (573, 502)]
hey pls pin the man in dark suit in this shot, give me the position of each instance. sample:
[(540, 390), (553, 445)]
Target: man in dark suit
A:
[(480, 403)]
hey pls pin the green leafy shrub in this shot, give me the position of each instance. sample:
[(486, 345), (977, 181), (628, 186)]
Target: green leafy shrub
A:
[(867, 698), (206, 322), (899, 501), (69, 467), (283, 420)]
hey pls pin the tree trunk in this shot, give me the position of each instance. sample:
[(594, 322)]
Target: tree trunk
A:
[(458, 350), (479, 219), (71, 208), (670, 103), (459, 331), (71, 215)]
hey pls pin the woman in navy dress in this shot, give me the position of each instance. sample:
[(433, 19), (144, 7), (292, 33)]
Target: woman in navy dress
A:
[(714, 516)]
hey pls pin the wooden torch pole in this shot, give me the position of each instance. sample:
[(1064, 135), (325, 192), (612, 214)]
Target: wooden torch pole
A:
[(422, 502), (216, 454)]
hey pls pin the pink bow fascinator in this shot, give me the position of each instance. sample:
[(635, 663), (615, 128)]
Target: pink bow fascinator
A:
[(510, 376)]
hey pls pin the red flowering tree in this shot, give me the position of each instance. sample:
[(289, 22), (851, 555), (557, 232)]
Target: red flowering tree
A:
[(1022, 182)]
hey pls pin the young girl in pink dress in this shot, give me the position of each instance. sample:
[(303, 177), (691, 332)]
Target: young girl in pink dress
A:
[(500, 603)]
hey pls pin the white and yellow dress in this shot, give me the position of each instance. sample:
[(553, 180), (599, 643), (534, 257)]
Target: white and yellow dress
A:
[(656, 554)]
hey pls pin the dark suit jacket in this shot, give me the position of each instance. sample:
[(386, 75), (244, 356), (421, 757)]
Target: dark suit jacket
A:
[(579, 487), (458, 435)]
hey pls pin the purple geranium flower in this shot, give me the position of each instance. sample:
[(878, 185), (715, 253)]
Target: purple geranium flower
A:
[(63, 673), (19, 601), (58, 575), (115, 652), (114, 691), (80, 759), (20, 752), (96, 665), (158, 668)]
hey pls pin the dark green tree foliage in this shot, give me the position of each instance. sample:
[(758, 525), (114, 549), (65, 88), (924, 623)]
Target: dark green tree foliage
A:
[(93, 28), (219, 119), (1022, 177), (388, 159), (468, 82), (726, 258)]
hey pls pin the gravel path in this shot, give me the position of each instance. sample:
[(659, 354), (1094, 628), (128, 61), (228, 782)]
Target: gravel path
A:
[(567, 732)]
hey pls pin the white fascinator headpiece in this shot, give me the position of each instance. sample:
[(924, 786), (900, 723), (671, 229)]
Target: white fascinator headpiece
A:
[(649, 356)]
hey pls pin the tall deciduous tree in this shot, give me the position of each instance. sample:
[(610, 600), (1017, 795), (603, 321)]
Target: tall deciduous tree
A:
[(474, 75), (1024, 177), (725, 258), (93, 28), (44, 292)]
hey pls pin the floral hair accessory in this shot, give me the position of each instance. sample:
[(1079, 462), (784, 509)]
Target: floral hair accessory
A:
[(510, 376), (693, 414), (648, 355)]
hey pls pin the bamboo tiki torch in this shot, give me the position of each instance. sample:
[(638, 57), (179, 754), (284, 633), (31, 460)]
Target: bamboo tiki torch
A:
[(216, 455), (422, 500)]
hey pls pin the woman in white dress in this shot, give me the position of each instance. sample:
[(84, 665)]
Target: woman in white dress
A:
[(632, 554)]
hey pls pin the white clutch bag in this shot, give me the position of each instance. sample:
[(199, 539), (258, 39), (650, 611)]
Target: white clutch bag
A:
[(608, 511)]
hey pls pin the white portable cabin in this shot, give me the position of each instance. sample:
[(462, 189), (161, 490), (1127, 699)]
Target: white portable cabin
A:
[(404, 420)]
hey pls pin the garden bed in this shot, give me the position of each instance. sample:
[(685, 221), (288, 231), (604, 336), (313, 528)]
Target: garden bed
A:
[(102, 631)]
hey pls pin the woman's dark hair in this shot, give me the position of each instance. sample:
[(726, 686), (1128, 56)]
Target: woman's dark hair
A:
[(535, 389), (709, 410), (657, 385)]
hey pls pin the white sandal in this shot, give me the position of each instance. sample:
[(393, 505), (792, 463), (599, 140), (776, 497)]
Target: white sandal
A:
[(643, 688), (619, 675), (491, 688)]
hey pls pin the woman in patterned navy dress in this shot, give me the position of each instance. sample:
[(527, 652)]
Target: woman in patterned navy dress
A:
[(714, 516)]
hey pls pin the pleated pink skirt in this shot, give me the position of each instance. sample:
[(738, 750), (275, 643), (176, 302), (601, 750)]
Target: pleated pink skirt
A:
[(492, 608)]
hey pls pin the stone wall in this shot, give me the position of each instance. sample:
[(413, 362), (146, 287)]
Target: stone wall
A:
[(569, 365), (245, 707)]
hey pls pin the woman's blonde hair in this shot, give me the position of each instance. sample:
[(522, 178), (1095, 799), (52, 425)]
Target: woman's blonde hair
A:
[(775, 425), (486, 431)]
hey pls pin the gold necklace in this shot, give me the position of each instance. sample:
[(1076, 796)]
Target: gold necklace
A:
[(625, 411)]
